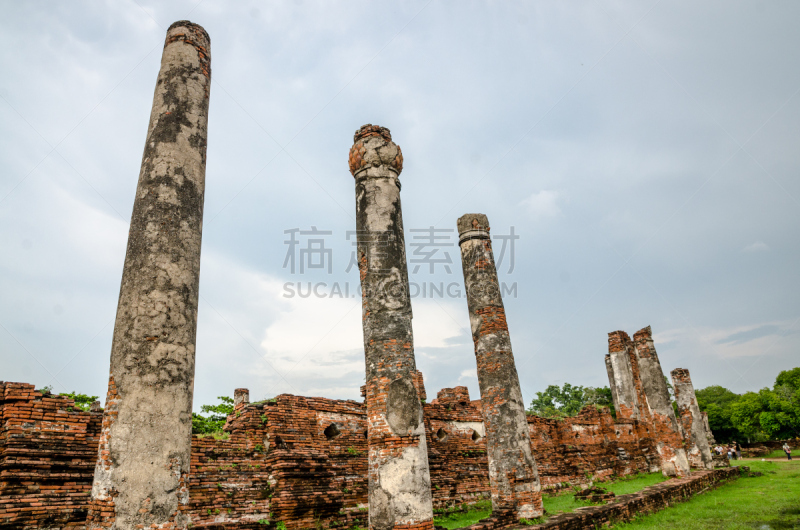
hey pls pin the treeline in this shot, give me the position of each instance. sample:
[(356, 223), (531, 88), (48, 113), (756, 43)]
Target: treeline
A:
[(769, 414)]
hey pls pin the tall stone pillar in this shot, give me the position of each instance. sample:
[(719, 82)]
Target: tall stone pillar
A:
[(140, 479), (694, 428), (707, 427), (399, 478), (626, 387), (513, 477), (669, 440)]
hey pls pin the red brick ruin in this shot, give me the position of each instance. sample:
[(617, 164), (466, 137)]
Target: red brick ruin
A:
[(298, 462)]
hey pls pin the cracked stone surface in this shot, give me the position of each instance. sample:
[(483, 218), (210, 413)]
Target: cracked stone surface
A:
[(674, 461), (694, 423), (399, 476), (513, 477), (144, 453), (639, 392)]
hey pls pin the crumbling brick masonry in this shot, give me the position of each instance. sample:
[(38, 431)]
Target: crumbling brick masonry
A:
[(694, 424), (639, 391), (297, 460)]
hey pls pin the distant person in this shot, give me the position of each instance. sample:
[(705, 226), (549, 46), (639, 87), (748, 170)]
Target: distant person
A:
[(787, 450), (730, 452), (738, 449)]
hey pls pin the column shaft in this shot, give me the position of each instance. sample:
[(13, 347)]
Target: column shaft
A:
[(625, 386), (694, 427), (513, 476), (399, 478), (709, 433), (669, 439), (145, 444)]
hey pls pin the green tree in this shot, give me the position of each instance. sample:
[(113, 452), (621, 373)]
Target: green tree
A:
[(599, 397), (717, 401), (216, 420), (770, 413), (82, 401), (569, 400)]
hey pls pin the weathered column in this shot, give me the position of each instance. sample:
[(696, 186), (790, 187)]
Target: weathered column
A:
[(399, 478), (621, 378), (707, 427), (694, 428), (513, 476), (241, 396), (669, 440), (145, 444)]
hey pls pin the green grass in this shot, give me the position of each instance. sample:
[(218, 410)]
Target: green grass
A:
[(778, 453), (771, 501), (566, 502), (632, 483), (460, 519)]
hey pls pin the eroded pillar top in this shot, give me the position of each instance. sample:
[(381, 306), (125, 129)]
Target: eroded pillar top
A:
[(374, 154)]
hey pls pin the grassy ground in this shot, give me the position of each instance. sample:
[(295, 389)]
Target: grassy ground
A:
[(769, 502), (566, 502), (553, 504), (780, 454), (632, 483), (460, 519)]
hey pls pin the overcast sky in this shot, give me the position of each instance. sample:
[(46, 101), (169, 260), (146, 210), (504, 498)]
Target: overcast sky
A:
[(645, 153)]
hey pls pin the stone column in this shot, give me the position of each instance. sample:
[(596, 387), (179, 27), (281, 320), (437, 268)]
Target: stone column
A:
[(140, 479), (707, 427), (241, 396), (694, 428), (621, 376), (399, 477), (513, 476), (669, 440)]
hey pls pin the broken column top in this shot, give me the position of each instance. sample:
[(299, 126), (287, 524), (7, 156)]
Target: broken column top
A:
[(372, 130), (473, 226), (616, 339), (643, 334), (473, 221), (241, 395), (681, 374), (374, 154), (187, 24)]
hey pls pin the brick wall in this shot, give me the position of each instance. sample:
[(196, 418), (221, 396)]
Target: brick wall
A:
[(294, 459), (47, 457)]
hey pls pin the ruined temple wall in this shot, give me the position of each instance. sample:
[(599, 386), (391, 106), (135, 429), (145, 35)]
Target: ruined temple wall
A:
[(456, 449), (589, 446), (229, 478), (280, 464), (47, 456)]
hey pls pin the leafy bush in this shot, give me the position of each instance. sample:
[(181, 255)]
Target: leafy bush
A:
[(214, 422), (82, 401), (562, 402)]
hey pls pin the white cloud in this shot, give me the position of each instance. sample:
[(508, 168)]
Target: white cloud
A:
[(727, 342), (468, 374), (543, 203)]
